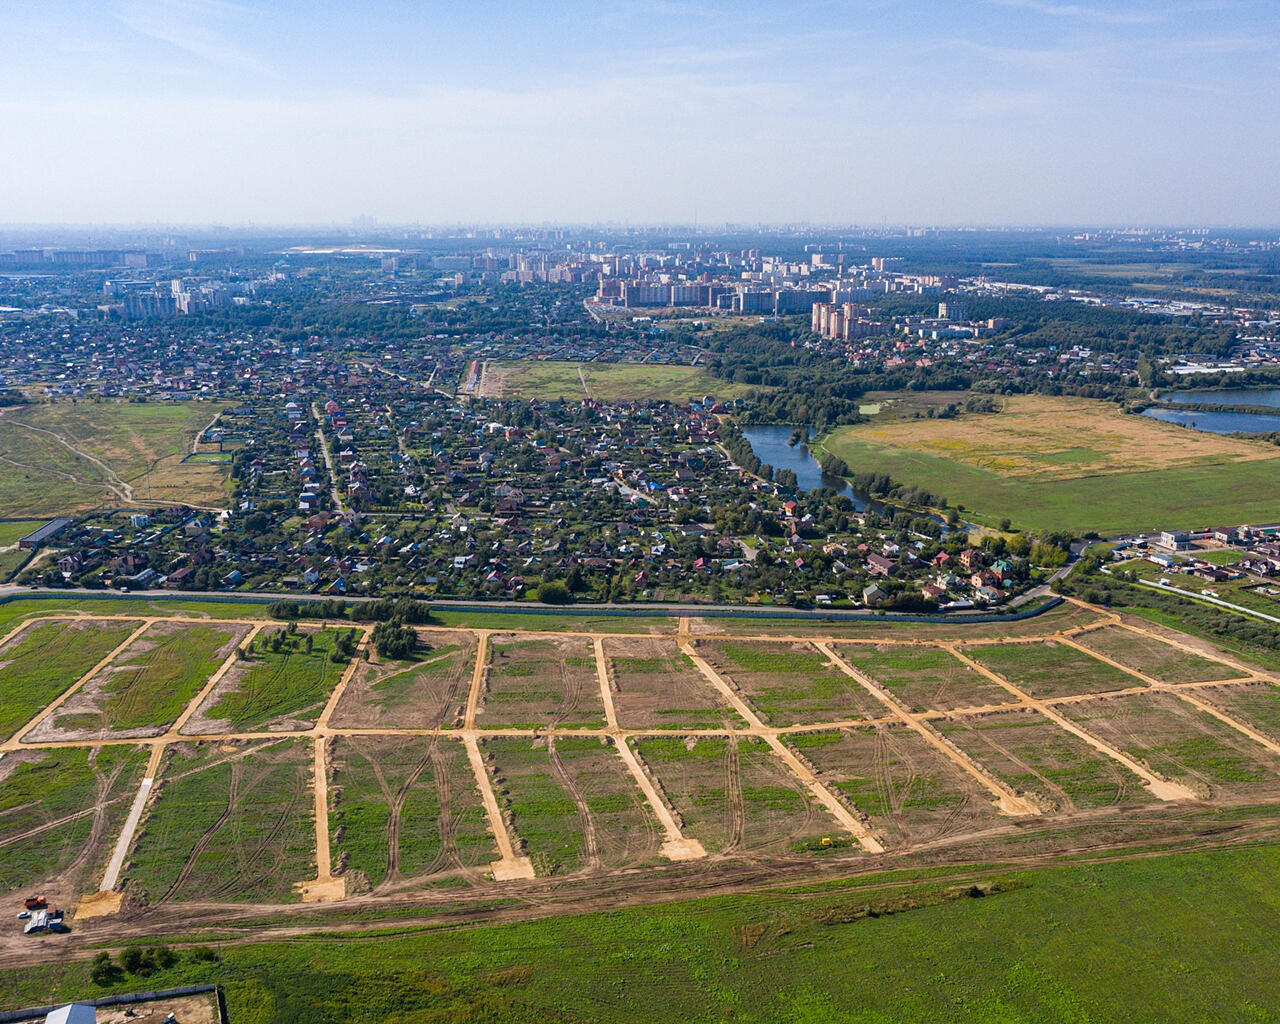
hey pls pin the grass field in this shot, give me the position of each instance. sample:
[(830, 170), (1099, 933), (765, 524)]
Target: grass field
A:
[(45, 660), (59, 810), (544, 816), (66, 456), (284, 689), (1189, 937), (1160, 661), (791, 684), (611, 381), (1068, 463), (13, 531), (151, 682), (425, 693), (227, 827), (658, 687)]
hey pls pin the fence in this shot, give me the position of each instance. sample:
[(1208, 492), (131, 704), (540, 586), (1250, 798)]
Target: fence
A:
[(40, 1012)]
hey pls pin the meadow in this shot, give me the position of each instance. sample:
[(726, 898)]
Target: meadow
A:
[(1184, 937), (68, 456), (1068, 464), (549, 380), (45, 660)]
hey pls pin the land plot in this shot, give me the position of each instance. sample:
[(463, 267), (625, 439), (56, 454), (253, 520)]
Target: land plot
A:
[(535, 683), (925, 678), (1251, 658), (911, 793), (545, 818), (658, 687), (229, 823), (1255, 704), (1051, 669), (550, 379), (620, 828), (791, 683), (428, 692), (1183, 743), (1159, 660), (60, 811), (385, 809), (1040, 760), (45, 660), (279, 688), (734, 795), (147, 686)]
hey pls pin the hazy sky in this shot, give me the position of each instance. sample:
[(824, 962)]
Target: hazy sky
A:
[(837, 111)]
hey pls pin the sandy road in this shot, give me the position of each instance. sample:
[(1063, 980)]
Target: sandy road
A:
[(1006, 800), (511, 867), (824, 796), (1159, 787)]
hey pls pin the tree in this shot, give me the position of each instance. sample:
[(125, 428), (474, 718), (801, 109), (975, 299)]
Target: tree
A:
[(101, 970), (553, 592), (131, 959)]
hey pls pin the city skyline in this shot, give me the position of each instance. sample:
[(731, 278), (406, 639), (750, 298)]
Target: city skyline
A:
[(1002, 112)]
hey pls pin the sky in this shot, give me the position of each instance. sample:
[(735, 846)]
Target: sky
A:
[(985, 112)]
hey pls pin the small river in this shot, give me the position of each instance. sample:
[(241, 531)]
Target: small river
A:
[(1219, 422), (770, 445), (1225, 396)]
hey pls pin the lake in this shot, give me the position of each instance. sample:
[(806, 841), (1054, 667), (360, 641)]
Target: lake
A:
[(1225, 396), (770, 446), (1219, 422)]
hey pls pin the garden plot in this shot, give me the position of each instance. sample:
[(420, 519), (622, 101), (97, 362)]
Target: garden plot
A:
[(547, 819), (60, 811), (228, 823), (282, 685), (1184, 744), (735, 796), (532, 684), (1051, 669), (147, 686), (656, 686), (791, 683), (1044, 762), (45, 660), (911, 793), (925, 678), (1159, 660), (428, 692)]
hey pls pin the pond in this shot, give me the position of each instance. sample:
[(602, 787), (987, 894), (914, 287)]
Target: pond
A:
[(1218, 422), (1225, 396), (771, 447)]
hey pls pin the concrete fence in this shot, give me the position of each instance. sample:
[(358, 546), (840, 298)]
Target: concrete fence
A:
[(40, 1012)]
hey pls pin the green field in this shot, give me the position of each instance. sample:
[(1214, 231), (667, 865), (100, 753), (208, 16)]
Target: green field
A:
[(1189, 937), (12, 532), (45, 660), (273, 687), (151, 683), (227, 827), (47, 813), (1071, 464), (612, 381), (55, 455)]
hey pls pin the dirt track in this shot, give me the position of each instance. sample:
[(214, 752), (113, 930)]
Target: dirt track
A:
[(513, 874)]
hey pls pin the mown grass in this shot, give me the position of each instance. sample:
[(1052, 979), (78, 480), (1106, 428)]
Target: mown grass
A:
[(45, 661), (1187, 937), (287, 683)]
